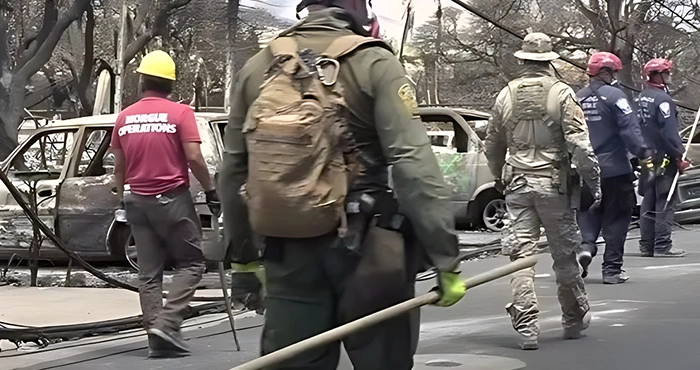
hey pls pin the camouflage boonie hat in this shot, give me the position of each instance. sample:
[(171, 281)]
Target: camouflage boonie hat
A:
[(537, 46)]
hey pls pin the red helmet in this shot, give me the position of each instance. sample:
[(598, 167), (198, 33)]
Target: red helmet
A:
[(603, 59), (656, 65)]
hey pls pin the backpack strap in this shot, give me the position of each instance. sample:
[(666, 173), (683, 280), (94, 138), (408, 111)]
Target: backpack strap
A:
[(344, 45), (284, 46)]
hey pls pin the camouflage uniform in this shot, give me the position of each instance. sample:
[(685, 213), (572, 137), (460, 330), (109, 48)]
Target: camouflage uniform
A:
[(538, 121), (312, 285)]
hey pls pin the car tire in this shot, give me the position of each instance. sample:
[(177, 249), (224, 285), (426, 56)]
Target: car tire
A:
[(492, 213), (130, 250)]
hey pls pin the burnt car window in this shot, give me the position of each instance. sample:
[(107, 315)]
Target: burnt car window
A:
[(457, 138), (45, 152), (92, 154)]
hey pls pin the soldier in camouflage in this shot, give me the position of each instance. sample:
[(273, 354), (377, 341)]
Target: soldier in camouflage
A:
[(539, 123)]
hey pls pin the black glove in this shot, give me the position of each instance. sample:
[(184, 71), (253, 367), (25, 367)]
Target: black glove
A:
[(213, 202), (500, 187), (597, 199)]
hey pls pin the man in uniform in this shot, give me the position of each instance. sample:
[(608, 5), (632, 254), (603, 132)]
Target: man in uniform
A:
[(660, 128), (614, 131), (308, 289), (537, 120), (156, 142)]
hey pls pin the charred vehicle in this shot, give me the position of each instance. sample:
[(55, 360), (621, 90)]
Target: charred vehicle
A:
[(456, 136), (688, 208), (69, 165)]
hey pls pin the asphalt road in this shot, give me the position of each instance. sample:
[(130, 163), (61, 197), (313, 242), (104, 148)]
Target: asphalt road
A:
[(650, 323)]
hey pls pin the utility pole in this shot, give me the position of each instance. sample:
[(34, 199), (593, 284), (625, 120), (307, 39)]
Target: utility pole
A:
[(406, 28), (232, 9), (119, 76)]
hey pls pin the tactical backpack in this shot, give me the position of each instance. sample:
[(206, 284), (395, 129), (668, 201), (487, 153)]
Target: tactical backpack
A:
[(301, 157)]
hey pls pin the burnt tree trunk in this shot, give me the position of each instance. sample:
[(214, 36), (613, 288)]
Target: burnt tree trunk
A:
[(37, 53), (84, 80)]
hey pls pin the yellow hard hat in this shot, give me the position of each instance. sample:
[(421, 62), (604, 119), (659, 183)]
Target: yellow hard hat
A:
[(158, 64)]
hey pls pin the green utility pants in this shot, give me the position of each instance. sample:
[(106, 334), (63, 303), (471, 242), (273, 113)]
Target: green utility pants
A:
[(314, 285)]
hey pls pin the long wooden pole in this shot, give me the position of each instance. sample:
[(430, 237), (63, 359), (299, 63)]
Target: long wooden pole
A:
[(338, 333), (685, 154)]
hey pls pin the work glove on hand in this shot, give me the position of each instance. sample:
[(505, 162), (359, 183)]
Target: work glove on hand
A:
[(213, 202), (683, 165), (248, 285), (647, 163), (500, 187), (450, 287)]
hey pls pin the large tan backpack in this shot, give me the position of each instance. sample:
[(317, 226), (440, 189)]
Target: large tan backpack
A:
[(301, 158)]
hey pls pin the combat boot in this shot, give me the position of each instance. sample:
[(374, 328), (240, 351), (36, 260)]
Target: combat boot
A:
[(618, 278), (575, 331), (527, 331)]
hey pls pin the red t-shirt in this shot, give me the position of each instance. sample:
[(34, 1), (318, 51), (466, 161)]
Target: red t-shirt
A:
[(151, 133)]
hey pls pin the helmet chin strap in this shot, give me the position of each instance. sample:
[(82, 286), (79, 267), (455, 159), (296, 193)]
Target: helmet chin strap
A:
[(664, 82), (663, 85)]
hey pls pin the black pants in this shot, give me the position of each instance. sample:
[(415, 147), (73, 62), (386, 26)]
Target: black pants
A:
[(612, 218), (657, 218), (314, 285), (166, 230)]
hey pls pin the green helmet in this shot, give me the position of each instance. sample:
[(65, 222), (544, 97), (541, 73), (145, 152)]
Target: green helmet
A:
[(537, 46)]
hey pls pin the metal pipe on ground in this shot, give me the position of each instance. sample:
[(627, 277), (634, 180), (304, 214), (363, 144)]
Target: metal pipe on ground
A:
[(275, 358), (34, 218), (55, 240)]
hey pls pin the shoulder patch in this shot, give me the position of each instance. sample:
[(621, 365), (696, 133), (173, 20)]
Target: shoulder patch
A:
[(624, 106), (665, 109), (408, 96)]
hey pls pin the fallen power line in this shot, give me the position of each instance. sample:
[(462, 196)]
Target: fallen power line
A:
[(488, 19), (55, 240), (43, 335)]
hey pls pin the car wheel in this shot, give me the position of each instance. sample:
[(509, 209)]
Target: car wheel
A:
[(130, 251), (495, 215)]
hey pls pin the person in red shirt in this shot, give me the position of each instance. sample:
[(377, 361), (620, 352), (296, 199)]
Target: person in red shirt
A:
[(156, 142)]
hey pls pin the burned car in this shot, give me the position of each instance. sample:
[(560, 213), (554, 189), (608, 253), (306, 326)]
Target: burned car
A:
[(69, 166), (456, 136), (688, 207)]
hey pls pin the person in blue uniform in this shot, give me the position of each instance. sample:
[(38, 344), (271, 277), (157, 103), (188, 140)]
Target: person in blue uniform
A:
[(660, 128), (614, 131)]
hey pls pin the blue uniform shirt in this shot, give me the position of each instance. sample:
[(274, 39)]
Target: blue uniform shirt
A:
[(660, 124), (613, 128)]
